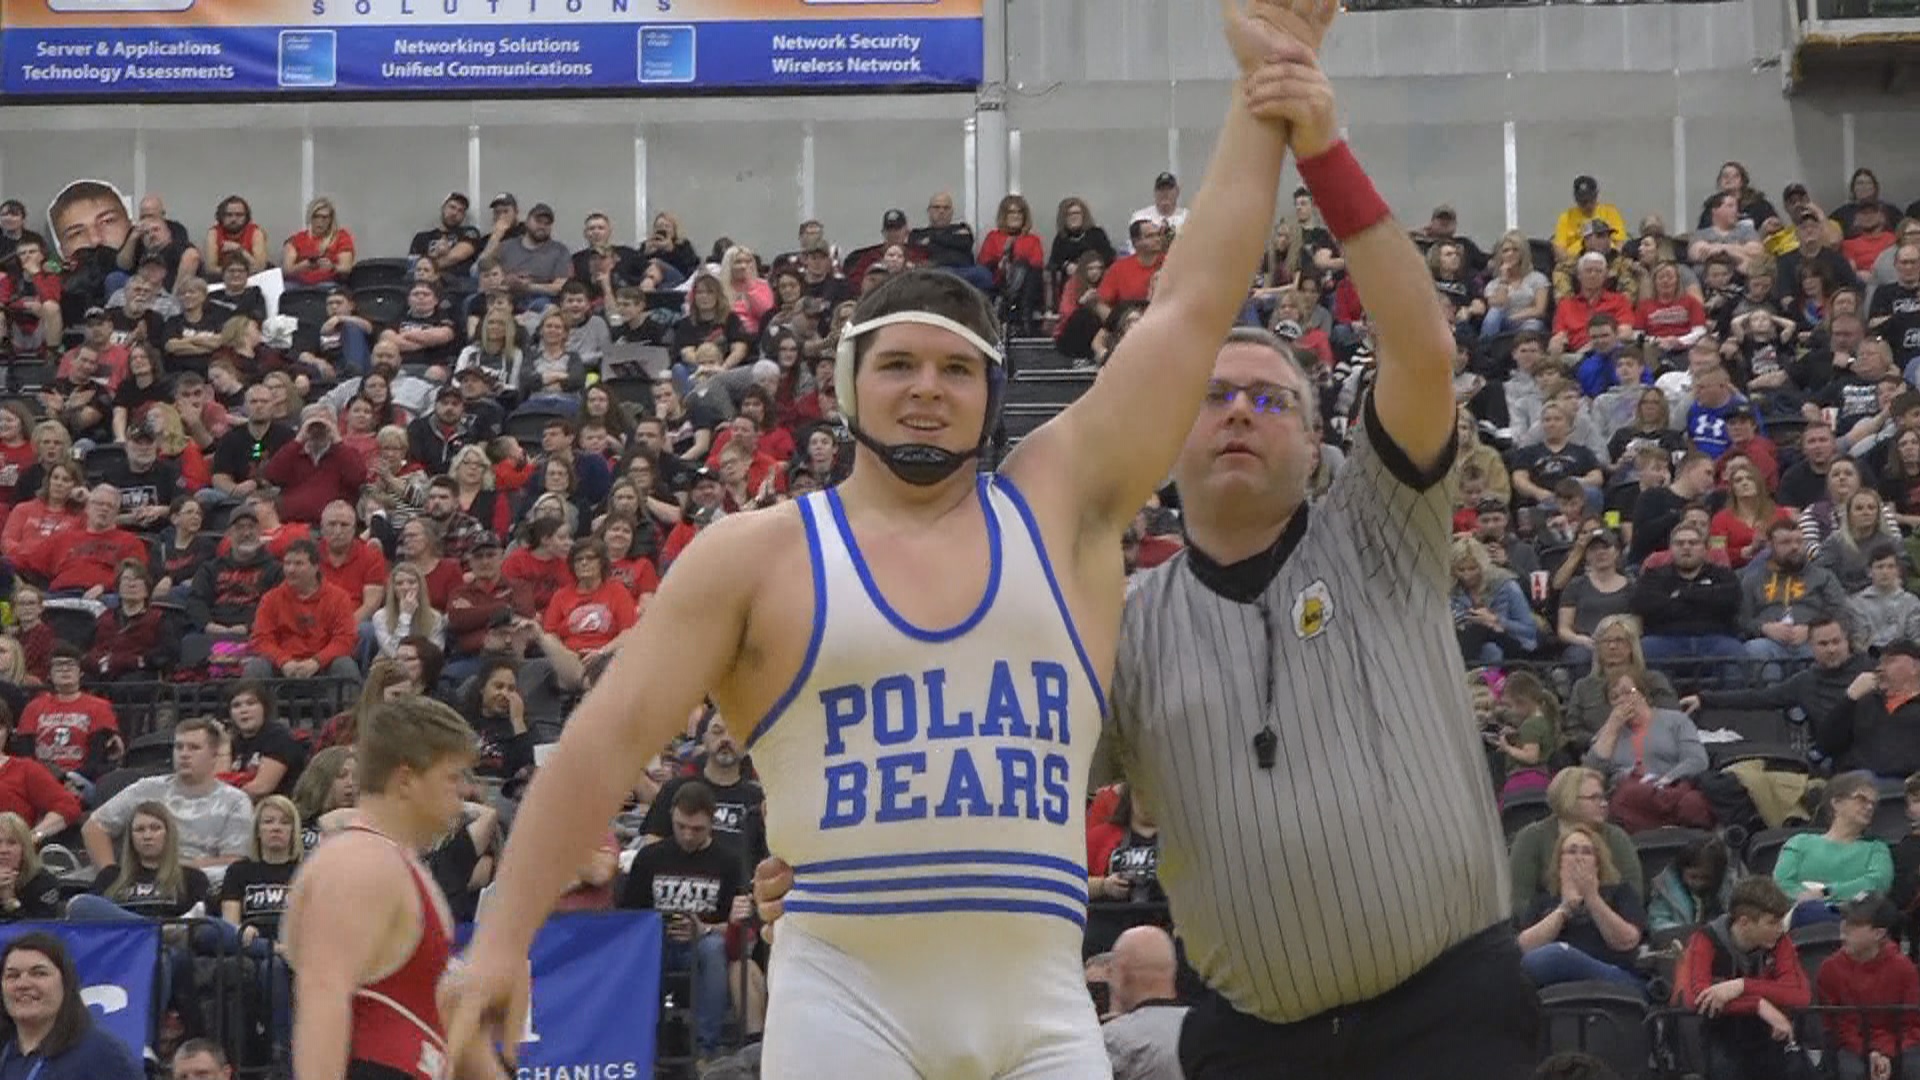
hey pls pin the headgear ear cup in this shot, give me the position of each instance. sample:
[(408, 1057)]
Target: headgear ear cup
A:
[(843, 369)]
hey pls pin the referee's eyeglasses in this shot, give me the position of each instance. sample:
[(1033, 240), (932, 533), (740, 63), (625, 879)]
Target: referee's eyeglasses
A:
[(1262, 397)]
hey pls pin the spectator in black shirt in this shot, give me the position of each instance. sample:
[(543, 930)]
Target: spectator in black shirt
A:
[(157, 235), (148, 485), (1536, 469), (498, 713), (145, 384), (253, 895), (151, 882), (823, 284), (1876, 726), (137, 320), (426, 335), (27, 890), (1810, 229), (1854, 392), (242, 453), (453, 246), (694, 884), (1894, 313), (434, 439), (190, 337), (1689, 607), (1075, 234), (267, 759), (739, 804), (949, 244), (627, 264), (710, 319), (236, 297), (665, 244), (181, 550), (1657, 511)]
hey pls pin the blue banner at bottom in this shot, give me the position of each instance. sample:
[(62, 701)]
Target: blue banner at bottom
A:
[(596, 997), (116, 962), (262, 61)]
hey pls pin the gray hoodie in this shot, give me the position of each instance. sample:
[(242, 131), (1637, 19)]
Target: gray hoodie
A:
[(1882, 617), (1810, 594)]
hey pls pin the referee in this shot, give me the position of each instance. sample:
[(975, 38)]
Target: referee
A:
[(1289, 700)]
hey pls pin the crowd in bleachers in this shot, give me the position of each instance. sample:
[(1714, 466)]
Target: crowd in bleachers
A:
[(458, 465)]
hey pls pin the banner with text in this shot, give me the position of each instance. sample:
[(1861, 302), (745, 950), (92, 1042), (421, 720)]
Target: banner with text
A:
[(596, 997), (121, 49), (116, 962)]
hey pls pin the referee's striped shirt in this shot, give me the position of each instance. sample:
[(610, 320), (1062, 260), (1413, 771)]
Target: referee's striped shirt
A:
[(1372, 845)]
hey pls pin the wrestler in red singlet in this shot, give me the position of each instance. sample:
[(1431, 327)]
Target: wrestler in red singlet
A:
[(397, 1034)]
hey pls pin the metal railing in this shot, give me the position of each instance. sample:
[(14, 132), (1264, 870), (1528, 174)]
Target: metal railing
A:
[(144, 707)]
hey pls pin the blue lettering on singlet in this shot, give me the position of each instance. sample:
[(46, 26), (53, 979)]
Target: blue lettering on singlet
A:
[(984, 779)]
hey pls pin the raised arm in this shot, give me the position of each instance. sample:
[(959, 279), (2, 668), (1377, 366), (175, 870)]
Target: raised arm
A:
[(1110, 449), (1413, 392), (668, 662)]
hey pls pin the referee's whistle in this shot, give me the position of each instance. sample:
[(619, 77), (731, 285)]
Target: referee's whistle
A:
[(1266, 748)]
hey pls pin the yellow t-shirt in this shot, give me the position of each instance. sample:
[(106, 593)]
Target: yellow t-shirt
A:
[(1571, 228)]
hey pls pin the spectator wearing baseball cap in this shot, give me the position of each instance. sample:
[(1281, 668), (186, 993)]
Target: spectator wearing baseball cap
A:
[(315, 468), (1870, 973), (1569, 232), (1816, 248), (537, 266), (1877, 725), (453, 245), (894, 232), (1165, 210)]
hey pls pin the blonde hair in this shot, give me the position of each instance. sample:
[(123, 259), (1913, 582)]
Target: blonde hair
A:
[(414, 733), (14, 825), (1629, 625), (169, 879), (333, 216), (426, 621), (297, 848), (472, 450), (1608, 874), (315, 786), (1563, 791)]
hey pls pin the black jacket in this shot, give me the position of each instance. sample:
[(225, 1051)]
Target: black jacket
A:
[(1864, 735), (1815, 692), (1707, 603)]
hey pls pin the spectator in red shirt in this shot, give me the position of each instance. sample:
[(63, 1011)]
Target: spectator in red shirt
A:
[(1671, 318), (1017, 257), (72, 731), (540, 562), (35, 636), (109, 360), (588, 614), (1130, 279), (1868, 971), (1872, 235), (636, 572), (304, 626), (85, 560), (321, 252), (276, 533), (1742, 973), (1573, 315), (476, 600), (29, 790), (349, 563), (1745, 441), (33, 302), (133, 640), (315, 468), (420, 548), (56, 507)]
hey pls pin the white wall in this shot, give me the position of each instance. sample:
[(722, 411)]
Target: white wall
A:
[(1101, 95)]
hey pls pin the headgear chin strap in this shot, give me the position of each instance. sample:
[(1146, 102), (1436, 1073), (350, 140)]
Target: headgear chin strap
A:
[(919, 464)]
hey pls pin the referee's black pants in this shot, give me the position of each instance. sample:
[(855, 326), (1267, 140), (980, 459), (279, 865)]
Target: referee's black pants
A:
[(1472, 1013)]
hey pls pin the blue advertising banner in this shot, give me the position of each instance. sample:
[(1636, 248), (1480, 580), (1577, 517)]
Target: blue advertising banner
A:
[(125, 49), (116, 962), (596, 996)]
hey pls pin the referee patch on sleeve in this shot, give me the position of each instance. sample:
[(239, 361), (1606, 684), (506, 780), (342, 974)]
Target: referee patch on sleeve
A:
[(1312, 611)]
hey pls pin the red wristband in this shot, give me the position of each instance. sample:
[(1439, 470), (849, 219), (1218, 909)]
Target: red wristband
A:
[(1346, 198)]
